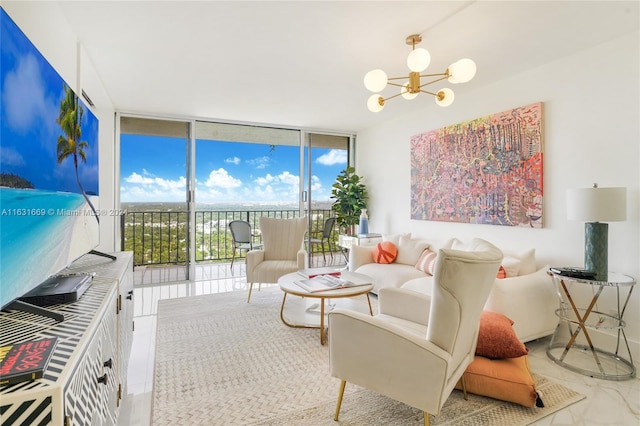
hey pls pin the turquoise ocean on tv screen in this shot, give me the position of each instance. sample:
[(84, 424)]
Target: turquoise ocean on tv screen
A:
[(36, 225)]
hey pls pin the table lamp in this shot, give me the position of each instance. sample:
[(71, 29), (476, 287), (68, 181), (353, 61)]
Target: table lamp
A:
[(595, 206)]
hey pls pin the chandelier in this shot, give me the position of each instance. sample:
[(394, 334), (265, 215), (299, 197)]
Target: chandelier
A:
[(418, 60)]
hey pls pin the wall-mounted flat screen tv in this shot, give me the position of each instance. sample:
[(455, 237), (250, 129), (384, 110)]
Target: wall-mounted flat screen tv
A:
[(49, 207)]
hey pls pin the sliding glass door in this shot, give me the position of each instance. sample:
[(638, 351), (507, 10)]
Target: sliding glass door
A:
[(154, 192), (324, 157), (183, 182), (242, 172)]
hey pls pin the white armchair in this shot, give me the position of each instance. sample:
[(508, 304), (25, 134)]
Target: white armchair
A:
[(283, 251), (418, 347)]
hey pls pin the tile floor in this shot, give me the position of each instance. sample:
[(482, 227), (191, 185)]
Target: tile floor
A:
[(607, 402)]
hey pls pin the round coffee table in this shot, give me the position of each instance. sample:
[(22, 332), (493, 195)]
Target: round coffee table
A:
[(288, 286)]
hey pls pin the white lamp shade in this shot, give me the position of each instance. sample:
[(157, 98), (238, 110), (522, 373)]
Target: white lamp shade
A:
[(447, 99), (462, 71), (405, 92), (373, 103), (418, 60), (597, 204), (375, 80)]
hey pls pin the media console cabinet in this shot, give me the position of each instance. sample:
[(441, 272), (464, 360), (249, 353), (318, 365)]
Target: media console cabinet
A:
[(86, 377)]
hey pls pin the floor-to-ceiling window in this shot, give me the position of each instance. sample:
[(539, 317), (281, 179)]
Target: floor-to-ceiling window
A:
[(236, 171)]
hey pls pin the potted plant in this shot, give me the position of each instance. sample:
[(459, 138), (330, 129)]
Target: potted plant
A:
[(350, 196)]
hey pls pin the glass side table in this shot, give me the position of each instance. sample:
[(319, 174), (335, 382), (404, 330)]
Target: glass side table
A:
[(572, 344)]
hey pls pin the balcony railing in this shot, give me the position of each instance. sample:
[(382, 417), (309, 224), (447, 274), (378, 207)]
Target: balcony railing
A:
[(160, 238)]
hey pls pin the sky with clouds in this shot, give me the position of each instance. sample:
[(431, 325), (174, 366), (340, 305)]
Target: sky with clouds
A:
[(153, 170)]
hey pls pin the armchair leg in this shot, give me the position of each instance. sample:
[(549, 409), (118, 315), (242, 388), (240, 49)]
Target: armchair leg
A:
[(250, 288), (343, 383), (464, 388), (427, 418)]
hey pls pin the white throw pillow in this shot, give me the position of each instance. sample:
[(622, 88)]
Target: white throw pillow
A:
[(409, 250), (527, 261), (395, 238), (511, 266)]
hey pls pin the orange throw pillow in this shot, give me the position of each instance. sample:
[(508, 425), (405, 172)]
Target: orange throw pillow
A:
[(496, 338), (502, 273), (385, 252)]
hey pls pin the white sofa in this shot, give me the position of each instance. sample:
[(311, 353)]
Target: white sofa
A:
[(526, 296)]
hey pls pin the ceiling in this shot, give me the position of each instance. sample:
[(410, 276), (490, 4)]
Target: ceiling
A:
[(301, 63)]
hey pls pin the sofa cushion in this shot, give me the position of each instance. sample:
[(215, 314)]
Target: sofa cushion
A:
[(392, 275), (426, 262), (527, 260), (511, 266), (529, 300), (421, 284), (395, 238), (504, 379), (496, 338), (384, 252), (410, 249)]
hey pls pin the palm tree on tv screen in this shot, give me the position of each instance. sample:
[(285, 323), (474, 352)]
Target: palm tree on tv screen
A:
[(69, 144)]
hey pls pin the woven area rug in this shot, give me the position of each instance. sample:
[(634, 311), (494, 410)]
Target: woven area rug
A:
[(221, 361)]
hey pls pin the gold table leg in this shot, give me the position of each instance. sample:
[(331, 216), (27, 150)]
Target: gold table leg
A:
[(323, 333), (582, 320)]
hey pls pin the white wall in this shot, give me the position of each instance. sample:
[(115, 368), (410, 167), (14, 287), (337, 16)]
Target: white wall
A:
[(592, 134), (47, 29)]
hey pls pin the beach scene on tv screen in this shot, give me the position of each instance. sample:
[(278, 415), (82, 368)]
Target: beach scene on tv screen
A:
[(49, 209)]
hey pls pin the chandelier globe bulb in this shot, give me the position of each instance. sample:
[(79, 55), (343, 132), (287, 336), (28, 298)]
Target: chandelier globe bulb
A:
[(418, 60), (375, 80), (374, 104), (462, 71), (405, 92), (445, 97)]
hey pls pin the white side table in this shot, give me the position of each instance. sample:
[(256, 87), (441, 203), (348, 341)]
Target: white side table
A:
[(346, 241), (572, 344)]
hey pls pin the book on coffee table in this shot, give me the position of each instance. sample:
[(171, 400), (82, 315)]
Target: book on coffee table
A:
[(314, 272), (327, 282)]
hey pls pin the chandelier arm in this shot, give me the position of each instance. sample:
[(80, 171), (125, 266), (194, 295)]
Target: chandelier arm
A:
[(433, 81), (396, 84), (430, 93), (398, 78), (444, 74), (394, 96)]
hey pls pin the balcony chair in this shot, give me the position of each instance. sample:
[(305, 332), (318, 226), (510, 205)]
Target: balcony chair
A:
[(418, 347), (283, 251), (325, 237), (242, 238)]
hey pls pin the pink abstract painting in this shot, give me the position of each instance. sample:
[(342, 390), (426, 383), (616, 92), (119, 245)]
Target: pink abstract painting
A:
[(484, 171)]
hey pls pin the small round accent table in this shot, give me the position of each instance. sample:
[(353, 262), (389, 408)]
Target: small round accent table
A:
[(572, 344), (288, 286)]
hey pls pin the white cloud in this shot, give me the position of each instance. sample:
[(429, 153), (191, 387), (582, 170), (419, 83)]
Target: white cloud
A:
[(24, 94), (11, 157), (259, 162), (335, 156), (147, 187), (284, 178), (232, 160), (222, 179)]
